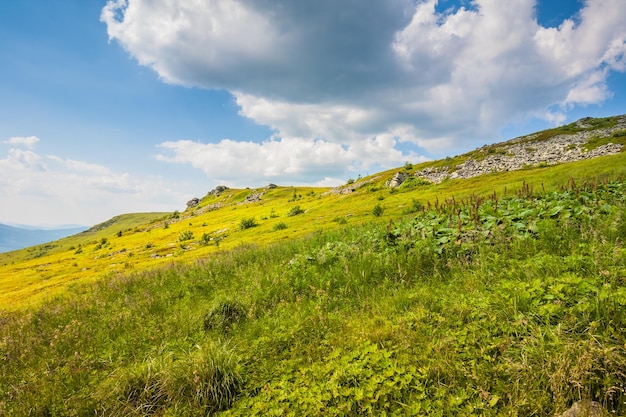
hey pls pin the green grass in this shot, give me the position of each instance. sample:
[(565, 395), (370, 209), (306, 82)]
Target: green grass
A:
[(618, 137), (150, 241), (481, 306), (503, 294)]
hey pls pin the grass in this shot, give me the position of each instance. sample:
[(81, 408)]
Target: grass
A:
[(495, 305), (150, 241), (498, 295)]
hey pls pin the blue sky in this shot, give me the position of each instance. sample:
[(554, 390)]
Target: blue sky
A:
[(137, 105)]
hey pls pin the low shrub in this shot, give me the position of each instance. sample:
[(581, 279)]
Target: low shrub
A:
[(378, 210), (295, 210), (247, 223), (280, 226)]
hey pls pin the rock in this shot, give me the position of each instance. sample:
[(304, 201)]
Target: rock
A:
[(396, 180), (350, 188), (218, 190), (253, 197), (270, 186), (585, 408), (526, 152), (193, 202)]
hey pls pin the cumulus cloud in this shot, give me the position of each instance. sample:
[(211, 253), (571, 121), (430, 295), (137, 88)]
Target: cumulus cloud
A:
[(352, 80), (37, 187), (27, 141), (296, 160)]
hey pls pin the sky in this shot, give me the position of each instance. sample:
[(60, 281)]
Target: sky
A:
[(111, 107)]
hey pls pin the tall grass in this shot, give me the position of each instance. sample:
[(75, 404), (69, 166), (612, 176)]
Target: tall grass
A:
[(493, 305)]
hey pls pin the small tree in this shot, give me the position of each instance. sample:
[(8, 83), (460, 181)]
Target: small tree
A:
[(378, 210)]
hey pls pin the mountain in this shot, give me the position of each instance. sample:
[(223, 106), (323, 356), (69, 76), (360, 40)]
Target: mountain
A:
[(13, 238)]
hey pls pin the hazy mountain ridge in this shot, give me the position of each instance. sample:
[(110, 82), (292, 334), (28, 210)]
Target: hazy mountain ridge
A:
[(13, 238)]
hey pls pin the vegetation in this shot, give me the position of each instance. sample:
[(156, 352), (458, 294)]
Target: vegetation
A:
[(378, 210), (247, 223), (499, 305), (295, 210), (498, 295), (280, 226)]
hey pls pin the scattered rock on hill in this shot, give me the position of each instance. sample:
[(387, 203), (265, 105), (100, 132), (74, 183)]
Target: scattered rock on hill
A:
[(270, 186), (193, 202), (397, 179), (528, 151), (253, 197), (349, 188), (218, 190), (585, 408)]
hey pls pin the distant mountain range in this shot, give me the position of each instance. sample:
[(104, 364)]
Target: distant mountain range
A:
[(13, 238)]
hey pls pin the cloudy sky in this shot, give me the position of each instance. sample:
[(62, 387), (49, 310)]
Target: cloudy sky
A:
[(108, 107)]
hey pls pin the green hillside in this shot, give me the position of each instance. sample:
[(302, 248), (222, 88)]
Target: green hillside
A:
[(501, 294)]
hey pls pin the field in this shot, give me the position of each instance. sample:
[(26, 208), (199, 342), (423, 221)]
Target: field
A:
[(499, 295)]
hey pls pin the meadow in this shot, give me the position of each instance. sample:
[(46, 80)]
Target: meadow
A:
[(498, 295)]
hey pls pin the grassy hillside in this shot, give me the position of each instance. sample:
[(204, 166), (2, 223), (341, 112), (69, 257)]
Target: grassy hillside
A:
[(145, 241), (490, 306), (29, 275), (498, 295)]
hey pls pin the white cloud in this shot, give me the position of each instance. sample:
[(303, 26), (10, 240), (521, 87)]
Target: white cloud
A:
[(344, 83), (51, 190), (288, 161), (26, 141)]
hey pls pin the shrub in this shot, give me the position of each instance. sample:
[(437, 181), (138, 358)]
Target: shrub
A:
[(378, 210), (205, 239), (185, 235), (295, 211), (247, 223), (280, 226)]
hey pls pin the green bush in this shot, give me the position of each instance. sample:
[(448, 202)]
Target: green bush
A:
[(295, 211), (378, 210), (280, 226), (247, 223), (205, 239), (185, 235)]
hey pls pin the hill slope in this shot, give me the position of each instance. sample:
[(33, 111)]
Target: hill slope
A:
[(500, 294), (135, 242)]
